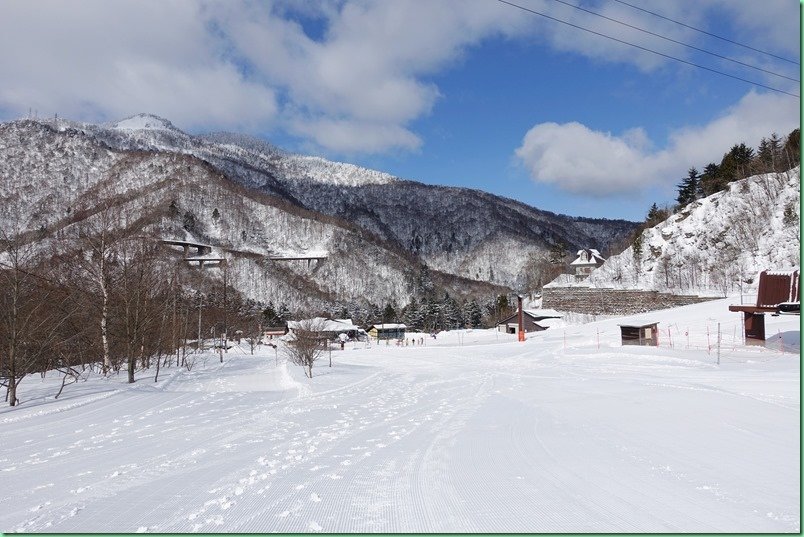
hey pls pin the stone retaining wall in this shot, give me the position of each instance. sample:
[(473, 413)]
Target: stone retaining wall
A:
[(597, 301)]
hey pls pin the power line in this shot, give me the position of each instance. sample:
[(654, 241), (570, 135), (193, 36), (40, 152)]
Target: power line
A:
[(647, 49), (675, 41), (707, 33)]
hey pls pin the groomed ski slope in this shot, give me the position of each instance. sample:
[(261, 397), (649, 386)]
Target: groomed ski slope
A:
[(473, 432)]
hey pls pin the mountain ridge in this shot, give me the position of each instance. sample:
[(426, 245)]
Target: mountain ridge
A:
[(461, 233)]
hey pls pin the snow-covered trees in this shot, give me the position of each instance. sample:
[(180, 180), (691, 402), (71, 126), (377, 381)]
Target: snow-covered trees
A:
[(716, 244), (773, 154), (472, 314)]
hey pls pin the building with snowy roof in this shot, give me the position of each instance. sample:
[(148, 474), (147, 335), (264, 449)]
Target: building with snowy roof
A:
[(533, 321), (587, 261), (387, 331), (327, 328)]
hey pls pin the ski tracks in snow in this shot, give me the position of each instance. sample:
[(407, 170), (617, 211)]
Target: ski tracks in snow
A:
[(417, 444), (367, 457)]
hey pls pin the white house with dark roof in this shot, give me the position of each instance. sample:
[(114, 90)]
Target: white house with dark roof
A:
[(587, 261)]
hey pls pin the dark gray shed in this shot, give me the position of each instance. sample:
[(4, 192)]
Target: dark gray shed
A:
[(640, 334)]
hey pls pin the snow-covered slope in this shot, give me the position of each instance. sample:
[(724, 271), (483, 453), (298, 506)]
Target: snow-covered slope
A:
[(716, 242), (144, 122), (470, 432), (464, 232), (174, 195)]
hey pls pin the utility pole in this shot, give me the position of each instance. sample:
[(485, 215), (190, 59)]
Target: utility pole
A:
[(520, 319), (718, 343), (225, 312), (198, 343)]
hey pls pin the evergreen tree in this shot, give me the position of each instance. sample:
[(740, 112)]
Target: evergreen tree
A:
[(711, 179), (652, 213), (472, 314), (269, 315), (361, 316), (764, 158), (558, 254), (418, 316), (189, 221), (389, 314), (655, 215), (792, 149), (775, 146), (636, 250), (736, 164), (410, 315), (432, 315), (283, 314), (450, 313), (375, 313), (688, 189), (503, 308), (424, 283)]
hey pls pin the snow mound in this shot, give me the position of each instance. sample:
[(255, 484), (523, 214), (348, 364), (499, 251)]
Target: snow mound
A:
[(144, 122)]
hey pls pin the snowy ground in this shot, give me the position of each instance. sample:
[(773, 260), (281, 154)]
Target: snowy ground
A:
[(566, 432)]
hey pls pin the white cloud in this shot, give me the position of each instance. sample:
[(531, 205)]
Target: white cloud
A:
[(580, 160), (356, 82), (367, 71), (356, 85), (353, 136), (100, 60), (572, 39), (771, 25), (755, 116), (583, 161)]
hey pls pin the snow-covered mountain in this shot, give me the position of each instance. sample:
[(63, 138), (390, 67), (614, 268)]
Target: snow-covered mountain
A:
[(246, 196), (465, 232), (144, 122), (176, 195), (715, 243)]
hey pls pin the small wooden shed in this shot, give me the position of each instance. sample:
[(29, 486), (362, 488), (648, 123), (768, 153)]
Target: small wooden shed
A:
[(640, 334)]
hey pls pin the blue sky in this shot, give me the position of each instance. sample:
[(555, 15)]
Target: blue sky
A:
[(472, 93)]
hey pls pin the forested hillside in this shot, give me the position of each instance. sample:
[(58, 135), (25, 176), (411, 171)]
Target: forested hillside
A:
[(716, 244)]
